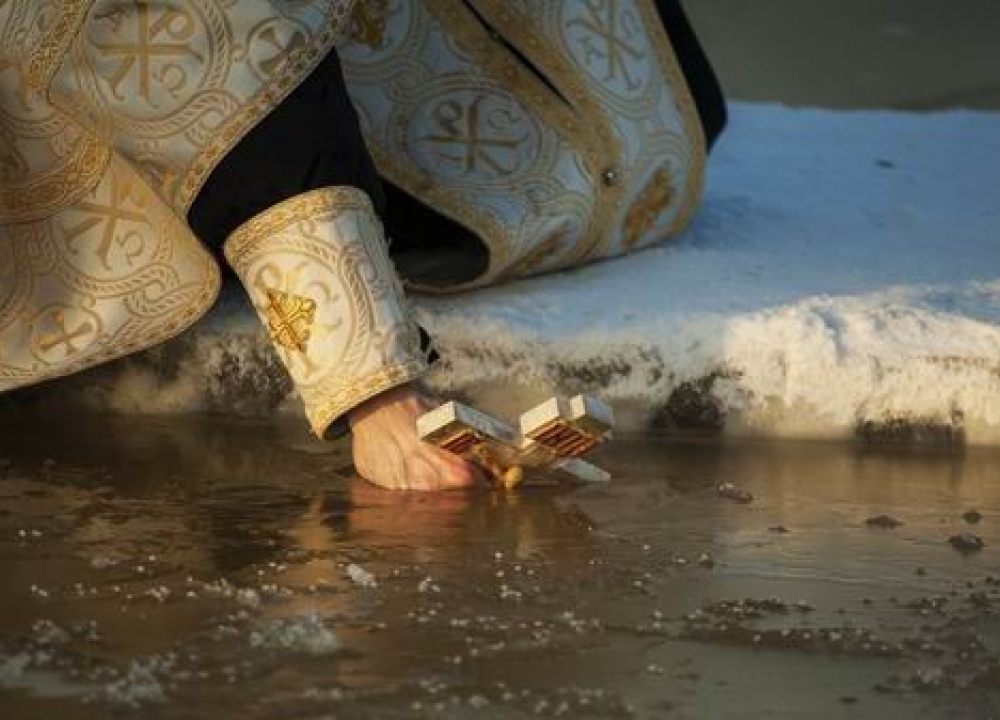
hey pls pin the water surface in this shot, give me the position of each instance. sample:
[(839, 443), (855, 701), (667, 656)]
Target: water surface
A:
[(217, 569)]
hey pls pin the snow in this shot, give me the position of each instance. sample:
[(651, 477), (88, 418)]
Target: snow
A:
[(842, 276), (139, 686), (306, 633), (360, 576), (845, 269)]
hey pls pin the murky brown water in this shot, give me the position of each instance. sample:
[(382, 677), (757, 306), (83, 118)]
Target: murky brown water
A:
[(203, 569)]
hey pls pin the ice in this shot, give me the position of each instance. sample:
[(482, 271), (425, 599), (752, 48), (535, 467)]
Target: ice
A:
[(304, 633), (47, 632), (139, 685), (12, 668), (360, 576)]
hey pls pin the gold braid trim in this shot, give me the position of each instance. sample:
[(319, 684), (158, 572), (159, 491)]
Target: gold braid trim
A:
[(258, 230), (49, 192), (671, 68), (52, 48)]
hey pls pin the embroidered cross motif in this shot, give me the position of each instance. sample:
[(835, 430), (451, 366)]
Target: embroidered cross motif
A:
[(161, 36), (115, 219), (290, 319), (64, 335), (477, 136), (613, 36)]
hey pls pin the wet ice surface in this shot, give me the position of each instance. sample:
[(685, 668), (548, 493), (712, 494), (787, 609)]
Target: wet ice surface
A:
[(218, 570)]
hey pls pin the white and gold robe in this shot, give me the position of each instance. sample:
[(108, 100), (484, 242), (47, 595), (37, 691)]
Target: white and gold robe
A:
[(113, 113)]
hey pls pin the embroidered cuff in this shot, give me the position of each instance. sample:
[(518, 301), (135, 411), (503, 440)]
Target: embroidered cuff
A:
[(317, 269)]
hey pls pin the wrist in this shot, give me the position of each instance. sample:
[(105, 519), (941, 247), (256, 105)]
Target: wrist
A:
[(401, 394)]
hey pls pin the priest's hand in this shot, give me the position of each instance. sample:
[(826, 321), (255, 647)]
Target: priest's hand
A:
[(388, 452)]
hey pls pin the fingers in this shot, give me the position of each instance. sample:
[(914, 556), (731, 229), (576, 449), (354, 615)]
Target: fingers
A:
[(433, 469), (462, 472), (388, 453)]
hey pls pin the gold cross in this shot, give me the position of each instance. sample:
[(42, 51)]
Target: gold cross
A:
[(290, 319), (545, 448)]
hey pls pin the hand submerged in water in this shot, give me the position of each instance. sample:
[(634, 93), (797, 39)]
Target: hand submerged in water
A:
[(388, 452)]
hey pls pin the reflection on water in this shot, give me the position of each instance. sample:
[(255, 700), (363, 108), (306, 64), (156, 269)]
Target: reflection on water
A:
[(199, 568)]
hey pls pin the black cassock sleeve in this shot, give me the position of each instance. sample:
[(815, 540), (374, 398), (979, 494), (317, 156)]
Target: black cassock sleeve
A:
[(311, 140)]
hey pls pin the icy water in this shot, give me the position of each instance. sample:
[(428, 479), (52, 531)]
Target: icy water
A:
[(213, 569)]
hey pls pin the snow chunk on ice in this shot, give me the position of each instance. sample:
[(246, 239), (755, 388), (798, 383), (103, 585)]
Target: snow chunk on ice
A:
[(304, 634), (139, 685), (360, 576), (12, 668)]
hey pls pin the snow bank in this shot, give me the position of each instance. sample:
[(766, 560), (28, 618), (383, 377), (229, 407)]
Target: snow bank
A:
[(843, 278)]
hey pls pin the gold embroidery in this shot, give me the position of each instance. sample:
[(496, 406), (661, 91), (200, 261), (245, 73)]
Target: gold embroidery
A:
[(51, 48), (607, 48), (71, 339), (66, 310), (458, 141), (179, 82), (114, 114), (44, 193), (298, 65), (545, 251), (290, 319), (698, 150), (653, 201), (325, 413), (249, 236), (512, 175), (368, 23), (611, 41)]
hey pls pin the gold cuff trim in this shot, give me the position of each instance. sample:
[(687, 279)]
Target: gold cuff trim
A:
[(257, 230), (318, 271), (366, 389)]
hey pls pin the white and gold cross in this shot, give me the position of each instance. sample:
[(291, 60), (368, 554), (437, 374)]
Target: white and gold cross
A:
[(545, 449)]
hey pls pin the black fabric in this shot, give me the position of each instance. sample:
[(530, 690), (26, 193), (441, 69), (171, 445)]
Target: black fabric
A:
[(311, 140), (698, 72)]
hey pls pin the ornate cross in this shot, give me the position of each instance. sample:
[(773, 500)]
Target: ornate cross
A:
[(616, 32), (290, 319), (544, 449), (476, 134)]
